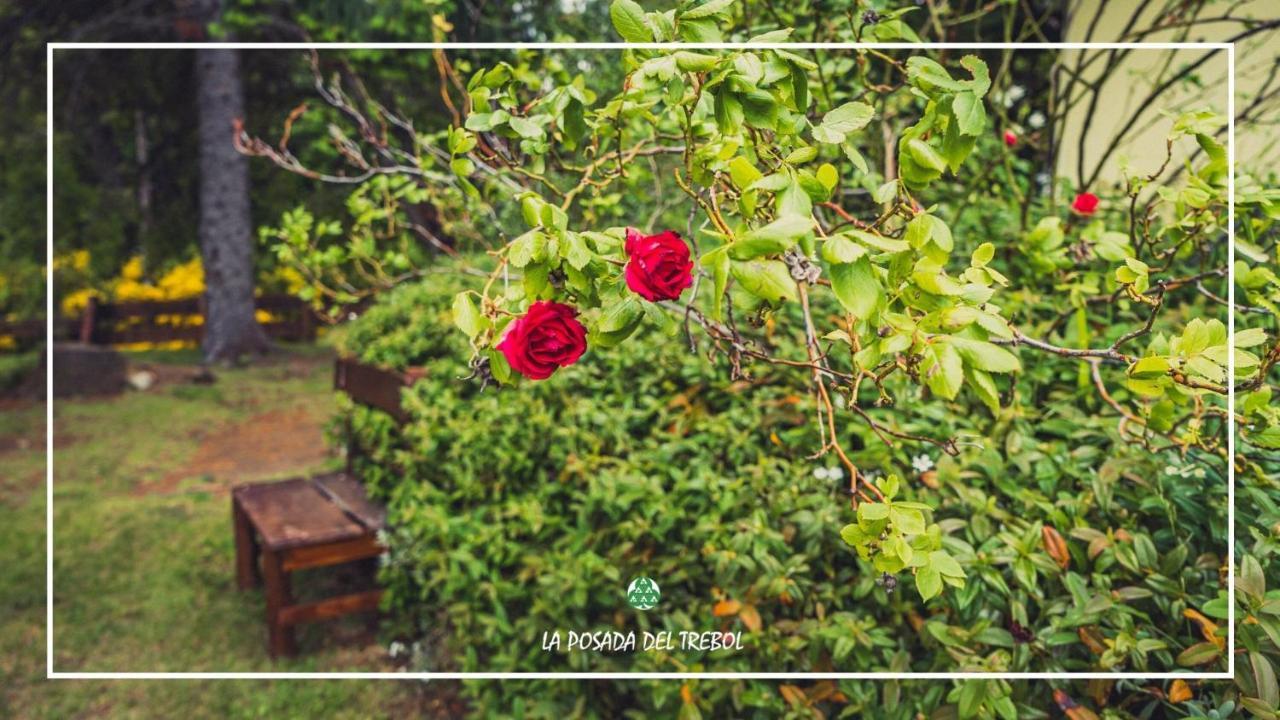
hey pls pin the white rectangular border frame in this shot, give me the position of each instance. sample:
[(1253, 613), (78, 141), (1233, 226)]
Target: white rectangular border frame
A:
[(1231, 299)]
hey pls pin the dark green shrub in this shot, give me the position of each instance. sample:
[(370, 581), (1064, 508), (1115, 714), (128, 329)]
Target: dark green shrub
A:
[(529, 509)]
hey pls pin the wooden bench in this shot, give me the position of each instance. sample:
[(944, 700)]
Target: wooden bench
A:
[(311, 522)]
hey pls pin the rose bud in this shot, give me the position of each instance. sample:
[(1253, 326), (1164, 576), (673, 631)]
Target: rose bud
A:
[(658, 266), (1085, 203), (1010, 138), (547, 337)]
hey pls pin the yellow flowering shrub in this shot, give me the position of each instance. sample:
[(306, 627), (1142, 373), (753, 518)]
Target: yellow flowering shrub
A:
[(180, 282)]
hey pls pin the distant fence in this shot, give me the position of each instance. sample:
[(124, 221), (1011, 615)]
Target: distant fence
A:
[(21, 334), (159, 321)]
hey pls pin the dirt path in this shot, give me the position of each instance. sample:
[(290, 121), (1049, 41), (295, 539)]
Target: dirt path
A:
[(267, 445)]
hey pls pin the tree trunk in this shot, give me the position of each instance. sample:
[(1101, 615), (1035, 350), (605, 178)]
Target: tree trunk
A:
[(226, 235)]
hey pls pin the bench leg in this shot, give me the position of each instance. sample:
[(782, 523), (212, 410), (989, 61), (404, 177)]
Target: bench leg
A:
[(247, 575), (280, 636)]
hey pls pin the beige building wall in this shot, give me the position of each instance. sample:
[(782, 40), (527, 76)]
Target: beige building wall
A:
[(1125, 87)]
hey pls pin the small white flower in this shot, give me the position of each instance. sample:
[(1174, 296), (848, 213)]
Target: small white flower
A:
[(835, 473), (820, 473), (1036, 120), (1014, 94), (922, 463), (396, 649)]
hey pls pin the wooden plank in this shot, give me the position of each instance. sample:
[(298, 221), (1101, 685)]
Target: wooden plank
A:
[(117, 310), (371, 386), (293, 513), (348, 494), (23, 329), (277, 301), (280, 637), (148, 333), (334, 553), (247, 575), (330, 608)]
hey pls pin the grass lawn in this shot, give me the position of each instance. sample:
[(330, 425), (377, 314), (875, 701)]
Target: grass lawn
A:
[(143, 550)]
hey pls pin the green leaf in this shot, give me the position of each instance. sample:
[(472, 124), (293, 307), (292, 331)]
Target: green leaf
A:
[(855, 156), (766, 279), (707, 9), (985, 388), (986, 356), (576, 251), (525, 248), (888, 485), (927, 74), (1249, 338), (619, 316), (1199, 654), (628, 20), (728, 109), (574, 124), (869, 511), (925, 155), (525, 127), (499, 367), (969, 113), (981, 75), (782, 232), (759, 109), (943, 369), (928, 582), (743, 173), (945, 564), (840, 249), (853, 535), (701, 30), (553, 218), (879, 242), (695, 62), (1149, 367), (718, 261), (907, 521), (856, 286), (828, 176), (1264, 680), (983, 255), (1251, 580), (956, 146), (849, 117), (462, 167), (467, 316), (923, 228), (801, 155)]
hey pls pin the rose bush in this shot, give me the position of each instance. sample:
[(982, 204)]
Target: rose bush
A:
[(1044, 375), (516, 513)]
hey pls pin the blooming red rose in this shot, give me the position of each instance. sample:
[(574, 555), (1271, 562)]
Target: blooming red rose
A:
[(547, 337), (1085, 203), (1010, 138), (658, 267)]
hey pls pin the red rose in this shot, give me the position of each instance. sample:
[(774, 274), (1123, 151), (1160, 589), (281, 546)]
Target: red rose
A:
[(1010, 138), (1085, 203), (547, 337), (658, 267)]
